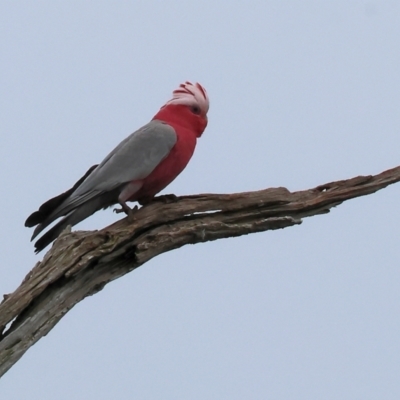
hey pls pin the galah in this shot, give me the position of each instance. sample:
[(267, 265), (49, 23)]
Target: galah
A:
[(136, 170)]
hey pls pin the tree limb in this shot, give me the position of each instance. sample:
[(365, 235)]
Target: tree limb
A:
[(81, 263)]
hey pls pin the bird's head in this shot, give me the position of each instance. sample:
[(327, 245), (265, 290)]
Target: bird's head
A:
[(188, 106)]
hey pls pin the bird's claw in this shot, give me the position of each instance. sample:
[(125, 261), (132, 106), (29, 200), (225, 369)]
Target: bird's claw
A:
[(128, 211)]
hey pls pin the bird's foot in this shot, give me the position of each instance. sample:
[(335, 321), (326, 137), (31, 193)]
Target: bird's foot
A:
[(128, 211)]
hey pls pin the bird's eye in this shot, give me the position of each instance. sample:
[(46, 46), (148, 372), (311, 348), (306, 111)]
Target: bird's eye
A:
[(195, 110)]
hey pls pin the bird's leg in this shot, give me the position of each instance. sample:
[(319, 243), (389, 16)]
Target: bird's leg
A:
[(127, 210), (127, 192)]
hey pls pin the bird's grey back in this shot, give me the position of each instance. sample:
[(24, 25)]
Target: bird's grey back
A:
[(133, 159)]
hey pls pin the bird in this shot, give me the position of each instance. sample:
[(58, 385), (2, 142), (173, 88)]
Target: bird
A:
[(137, 169)]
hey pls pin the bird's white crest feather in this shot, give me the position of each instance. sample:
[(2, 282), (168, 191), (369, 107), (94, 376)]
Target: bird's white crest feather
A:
[(191, 94)]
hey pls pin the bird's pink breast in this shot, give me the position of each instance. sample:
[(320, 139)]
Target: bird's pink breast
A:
[(170, 167)]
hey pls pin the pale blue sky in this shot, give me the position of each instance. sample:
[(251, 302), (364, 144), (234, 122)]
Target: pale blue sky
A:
[(301, 93)]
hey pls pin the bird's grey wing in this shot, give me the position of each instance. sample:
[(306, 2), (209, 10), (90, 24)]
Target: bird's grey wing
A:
[(133, 159)]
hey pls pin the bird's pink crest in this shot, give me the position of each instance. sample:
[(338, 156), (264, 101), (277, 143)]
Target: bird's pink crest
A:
[(191, 94)]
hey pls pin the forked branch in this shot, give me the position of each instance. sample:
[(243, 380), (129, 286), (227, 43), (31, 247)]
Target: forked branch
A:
[(81, 263)]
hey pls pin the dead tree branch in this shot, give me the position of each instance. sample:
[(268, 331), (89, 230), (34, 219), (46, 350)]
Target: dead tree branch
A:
[(81, 263)]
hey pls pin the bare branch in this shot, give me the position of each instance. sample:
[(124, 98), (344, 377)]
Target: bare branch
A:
[(81, 263)]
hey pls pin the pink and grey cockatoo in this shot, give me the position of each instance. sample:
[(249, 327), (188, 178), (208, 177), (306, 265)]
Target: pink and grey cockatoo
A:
[(136, 170)]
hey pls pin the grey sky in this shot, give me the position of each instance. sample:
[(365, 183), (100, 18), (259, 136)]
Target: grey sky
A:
[(301, 93)]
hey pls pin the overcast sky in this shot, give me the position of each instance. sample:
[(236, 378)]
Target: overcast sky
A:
[(302, 93)]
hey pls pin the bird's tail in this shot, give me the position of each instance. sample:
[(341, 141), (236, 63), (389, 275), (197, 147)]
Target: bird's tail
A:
[(50, 206), (72, 218)]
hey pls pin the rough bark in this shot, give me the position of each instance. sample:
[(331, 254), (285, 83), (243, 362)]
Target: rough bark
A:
[(81, 263)]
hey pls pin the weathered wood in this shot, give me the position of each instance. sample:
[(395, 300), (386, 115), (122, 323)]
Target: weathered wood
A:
[(81, 263)]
